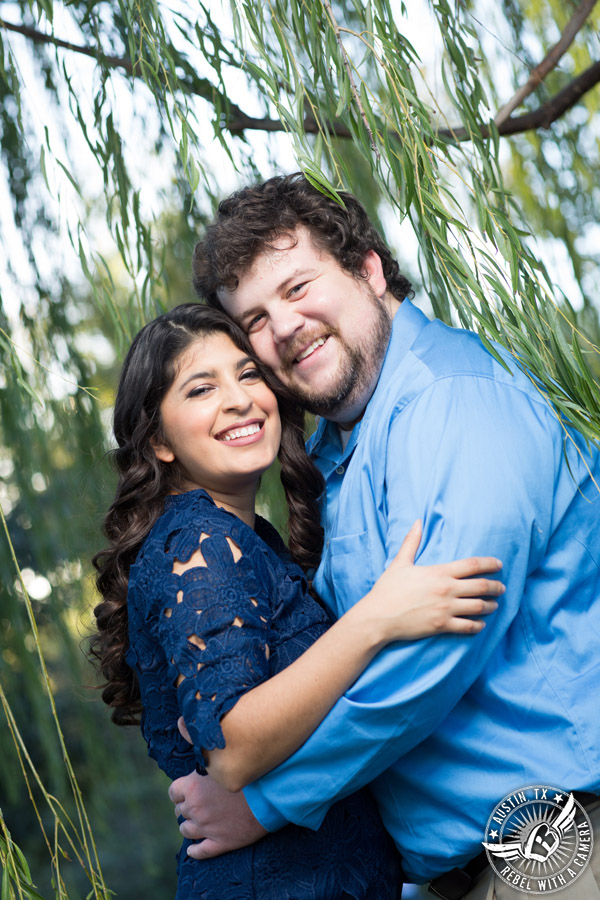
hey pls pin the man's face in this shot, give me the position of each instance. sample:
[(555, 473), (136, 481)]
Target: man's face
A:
[(323, 331)]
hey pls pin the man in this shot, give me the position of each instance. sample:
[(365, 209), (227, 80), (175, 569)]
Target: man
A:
[(418, 421)]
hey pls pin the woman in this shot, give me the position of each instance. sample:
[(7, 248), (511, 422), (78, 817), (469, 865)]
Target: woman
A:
[(205, 614)]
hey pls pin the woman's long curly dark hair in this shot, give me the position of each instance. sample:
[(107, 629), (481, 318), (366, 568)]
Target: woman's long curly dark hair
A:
[(144, 481)]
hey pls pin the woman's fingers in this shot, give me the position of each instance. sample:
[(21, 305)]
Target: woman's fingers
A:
[(476, 587), (472, 606), (473, 565), (465, 626), (410, 545), (459, 609)]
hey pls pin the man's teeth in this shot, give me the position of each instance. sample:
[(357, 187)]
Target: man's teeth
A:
[(242, 432), (311, 348)]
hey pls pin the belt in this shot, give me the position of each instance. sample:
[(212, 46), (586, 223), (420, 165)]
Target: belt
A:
[(453, 885)]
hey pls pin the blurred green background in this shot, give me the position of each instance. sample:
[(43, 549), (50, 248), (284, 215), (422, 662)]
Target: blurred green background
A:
[(121, 126)]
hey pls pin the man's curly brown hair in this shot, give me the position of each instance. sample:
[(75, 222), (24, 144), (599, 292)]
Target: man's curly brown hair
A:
[(252, 219)]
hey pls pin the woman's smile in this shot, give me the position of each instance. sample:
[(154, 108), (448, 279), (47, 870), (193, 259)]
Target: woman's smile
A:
[(242, 433), (220, 420)]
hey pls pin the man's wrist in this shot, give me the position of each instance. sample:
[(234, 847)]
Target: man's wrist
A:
[(262, 809)]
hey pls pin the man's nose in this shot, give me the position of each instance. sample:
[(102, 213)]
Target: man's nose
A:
[(286, 321)]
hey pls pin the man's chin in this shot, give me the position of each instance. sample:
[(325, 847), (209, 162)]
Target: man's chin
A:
[(328, 404)]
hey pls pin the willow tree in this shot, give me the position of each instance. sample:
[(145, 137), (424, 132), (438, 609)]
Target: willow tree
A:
[(120, 125)]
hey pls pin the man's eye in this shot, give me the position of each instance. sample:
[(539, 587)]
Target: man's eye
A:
[(296, 289), (255, 323)]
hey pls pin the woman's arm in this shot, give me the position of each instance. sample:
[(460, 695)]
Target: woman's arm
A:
[(408, 602)]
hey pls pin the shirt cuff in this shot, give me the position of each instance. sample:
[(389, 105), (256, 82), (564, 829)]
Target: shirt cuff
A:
[(262, 809)]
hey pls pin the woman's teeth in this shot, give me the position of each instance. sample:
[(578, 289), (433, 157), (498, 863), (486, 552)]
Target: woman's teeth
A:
[(241, 432)]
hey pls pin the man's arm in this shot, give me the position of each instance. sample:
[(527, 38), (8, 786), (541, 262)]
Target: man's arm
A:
[(480, 474), (478, 464)]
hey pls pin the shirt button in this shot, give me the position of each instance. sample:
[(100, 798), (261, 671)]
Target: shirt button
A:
[(340, 470)]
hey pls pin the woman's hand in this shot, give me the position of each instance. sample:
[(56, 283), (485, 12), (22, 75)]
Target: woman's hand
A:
[(273, 719), (411, 602)]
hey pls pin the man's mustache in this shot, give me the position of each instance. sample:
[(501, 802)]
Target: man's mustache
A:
[(301, 342)]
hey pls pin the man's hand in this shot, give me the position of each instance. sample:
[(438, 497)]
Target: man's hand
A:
[(222, 821)]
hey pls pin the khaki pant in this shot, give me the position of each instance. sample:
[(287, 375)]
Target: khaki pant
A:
[(587, 887)]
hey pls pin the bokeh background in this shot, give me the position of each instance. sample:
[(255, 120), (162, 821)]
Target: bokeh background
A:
[(469, 129)]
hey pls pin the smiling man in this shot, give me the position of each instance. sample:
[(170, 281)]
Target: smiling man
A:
[(418, 420), (322, 330)]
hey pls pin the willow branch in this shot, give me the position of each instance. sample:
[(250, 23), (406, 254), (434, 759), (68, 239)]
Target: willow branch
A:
[(201, 87), (549, 62), (237, 121), (348, 68), (38, 37), (543, 116)]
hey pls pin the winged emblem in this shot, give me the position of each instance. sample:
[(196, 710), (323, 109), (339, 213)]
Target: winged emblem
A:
[(543, 839)]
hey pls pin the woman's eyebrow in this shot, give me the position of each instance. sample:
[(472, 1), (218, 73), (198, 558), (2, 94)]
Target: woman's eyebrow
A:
[(212, 373)]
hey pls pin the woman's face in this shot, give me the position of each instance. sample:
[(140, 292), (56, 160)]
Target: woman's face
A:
[(220, 420)]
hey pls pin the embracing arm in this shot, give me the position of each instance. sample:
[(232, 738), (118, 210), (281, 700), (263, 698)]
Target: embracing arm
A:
[(481, 474), (270, 721)]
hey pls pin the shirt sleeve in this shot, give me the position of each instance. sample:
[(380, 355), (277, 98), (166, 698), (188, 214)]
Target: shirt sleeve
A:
[(213, 626), (475, 461)]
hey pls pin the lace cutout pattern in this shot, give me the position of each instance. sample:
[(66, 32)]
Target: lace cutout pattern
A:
[(211, 614), (214, 609)]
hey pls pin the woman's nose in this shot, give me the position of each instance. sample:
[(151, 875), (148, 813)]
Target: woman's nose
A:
[(237, 397)]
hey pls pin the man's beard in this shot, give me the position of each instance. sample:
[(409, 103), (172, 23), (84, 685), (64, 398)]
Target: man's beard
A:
[(358, 372)]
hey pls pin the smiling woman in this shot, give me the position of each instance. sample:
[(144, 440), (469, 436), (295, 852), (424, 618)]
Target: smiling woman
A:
[(206, 615), (221, 422)]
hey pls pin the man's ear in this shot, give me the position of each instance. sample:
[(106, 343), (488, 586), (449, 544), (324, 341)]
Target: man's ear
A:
[(373, 272), (162, 452)]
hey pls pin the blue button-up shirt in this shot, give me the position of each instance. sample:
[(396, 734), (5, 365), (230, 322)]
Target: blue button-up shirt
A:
[(445, 727)]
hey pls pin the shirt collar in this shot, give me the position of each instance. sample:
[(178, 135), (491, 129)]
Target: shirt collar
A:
[(407, 324)]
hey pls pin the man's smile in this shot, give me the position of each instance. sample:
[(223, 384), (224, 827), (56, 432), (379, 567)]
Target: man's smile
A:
[(308, 351)]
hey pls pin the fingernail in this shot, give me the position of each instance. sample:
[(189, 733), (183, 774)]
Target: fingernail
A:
[(499, 563)]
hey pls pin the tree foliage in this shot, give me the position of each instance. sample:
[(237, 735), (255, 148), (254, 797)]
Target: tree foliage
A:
[(472, 138)]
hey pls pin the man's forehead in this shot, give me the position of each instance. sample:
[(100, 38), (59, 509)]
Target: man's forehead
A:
[(273, 267), (282, 245)]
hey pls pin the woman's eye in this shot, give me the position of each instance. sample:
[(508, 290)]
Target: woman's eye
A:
[(250, 375), (199, 391)]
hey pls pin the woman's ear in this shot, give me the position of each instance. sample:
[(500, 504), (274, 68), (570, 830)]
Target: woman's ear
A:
[(162, 452)]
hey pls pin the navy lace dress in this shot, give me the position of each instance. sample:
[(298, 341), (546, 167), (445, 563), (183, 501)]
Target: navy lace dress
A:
[(201, 639)]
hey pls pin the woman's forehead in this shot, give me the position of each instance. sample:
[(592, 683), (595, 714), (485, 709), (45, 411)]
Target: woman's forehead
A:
[(208, 352)]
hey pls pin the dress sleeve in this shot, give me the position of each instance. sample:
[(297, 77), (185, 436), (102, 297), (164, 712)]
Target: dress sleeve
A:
[(212, 623)]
